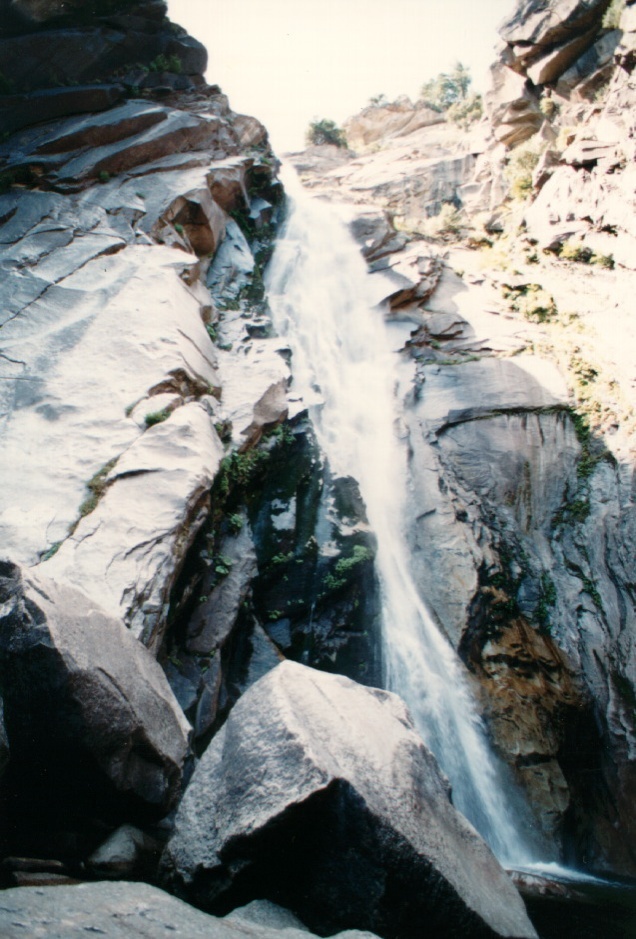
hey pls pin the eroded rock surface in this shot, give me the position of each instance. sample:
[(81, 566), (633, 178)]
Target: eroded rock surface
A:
[(341, 800), (130, 910)]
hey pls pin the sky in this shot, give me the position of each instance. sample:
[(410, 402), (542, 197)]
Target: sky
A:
[(289, 61)]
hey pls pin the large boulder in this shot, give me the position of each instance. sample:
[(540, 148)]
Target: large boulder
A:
[(319, 795), (89, 714)]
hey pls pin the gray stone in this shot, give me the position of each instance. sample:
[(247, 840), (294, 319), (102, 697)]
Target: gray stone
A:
[(318, 794), (127, 552), (126, 854), (85, 704), (130, 911)]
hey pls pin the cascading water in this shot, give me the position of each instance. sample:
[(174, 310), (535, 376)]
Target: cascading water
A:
[(347, 373)]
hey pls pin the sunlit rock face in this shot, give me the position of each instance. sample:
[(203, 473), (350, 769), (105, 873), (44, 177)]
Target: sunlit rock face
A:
[(108, 369), (317, 788), (589, 196), (553, 62)]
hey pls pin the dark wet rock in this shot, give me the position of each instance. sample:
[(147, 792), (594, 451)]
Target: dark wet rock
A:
[(318, 794), (92, 722), (18, 111)]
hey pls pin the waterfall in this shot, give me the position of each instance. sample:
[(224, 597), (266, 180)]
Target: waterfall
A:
[(347, 371)]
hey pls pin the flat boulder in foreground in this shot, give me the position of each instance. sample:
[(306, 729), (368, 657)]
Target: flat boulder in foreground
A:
[(128, 911)]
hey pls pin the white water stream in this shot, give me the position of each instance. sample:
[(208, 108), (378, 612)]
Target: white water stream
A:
[(347, 372)]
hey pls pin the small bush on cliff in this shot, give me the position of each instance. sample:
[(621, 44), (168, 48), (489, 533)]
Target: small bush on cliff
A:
[(521, 164), (447, 224), (166, 63), (447, 89), (467, 111), (322, 131), (613, 14)]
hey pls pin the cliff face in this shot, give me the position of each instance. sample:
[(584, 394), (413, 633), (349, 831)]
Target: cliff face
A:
[(520, 417), (138, 369)]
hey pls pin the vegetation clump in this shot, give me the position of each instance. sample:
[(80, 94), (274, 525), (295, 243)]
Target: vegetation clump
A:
[(449, 93), (532, 302), (324, 131), (522, 162), (157, 417), (612, 18), (166, 63), (96, 486)]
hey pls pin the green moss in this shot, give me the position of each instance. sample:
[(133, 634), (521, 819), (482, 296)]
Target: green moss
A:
[(166, 63), (50, 552), (546, 602), (96, 487), (157, 417), (344, 567)]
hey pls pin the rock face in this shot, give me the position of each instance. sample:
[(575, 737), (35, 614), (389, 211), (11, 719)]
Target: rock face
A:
[(130, 910), (90, 718), (123, 397), (316, 789), (588, 197)]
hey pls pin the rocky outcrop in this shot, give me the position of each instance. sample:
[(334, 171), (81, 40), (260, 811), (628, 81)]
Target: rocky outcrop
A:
[(361, 818), (397, 119), (588, 198), (73, 43), (92, 724)]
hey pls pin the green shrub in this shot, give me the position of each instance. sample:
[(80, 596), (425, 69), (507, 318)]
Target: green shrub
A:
[(612, 18), (603, 260), (448, 222), (323, 131), (166, 63), (157, 417), (467, 111), (522, 162), (574, 250), (447, 89), (548, 107), (532, 302)]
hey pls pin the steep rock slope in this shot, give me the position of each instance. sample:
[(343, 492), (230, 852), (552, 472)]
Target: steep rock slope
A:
[(152, 478)]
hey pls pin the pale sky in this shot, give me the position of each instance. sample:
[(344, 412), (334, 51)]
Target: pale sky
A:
[(288, 61)]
